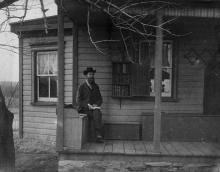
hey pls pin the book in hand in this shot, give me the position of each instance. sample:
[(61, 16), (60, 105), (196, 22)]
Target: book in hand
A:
[(93, 107)]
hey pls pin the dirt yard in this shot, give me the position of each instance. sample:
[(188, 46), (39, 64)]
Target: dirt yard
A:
[(35, 162), (35, 155)]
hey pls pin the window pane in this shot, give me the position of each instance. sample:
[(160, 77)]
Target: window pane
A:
[(42, 63), (167, 60), (43, 86), (147, 53), (140, 80), (53, 62), (166, 82), (53, 86)]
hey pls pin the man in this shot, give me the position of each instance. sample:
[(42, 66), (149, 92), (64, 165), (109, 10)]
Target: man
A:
[(89, 101)]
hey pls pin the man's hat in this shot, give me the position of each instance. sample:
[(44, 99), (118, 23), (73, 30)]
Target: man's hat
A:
[(89, 69)]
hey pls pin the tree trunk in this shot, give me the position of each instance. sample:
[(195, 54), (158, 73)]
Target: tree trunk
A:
[(7, 150)]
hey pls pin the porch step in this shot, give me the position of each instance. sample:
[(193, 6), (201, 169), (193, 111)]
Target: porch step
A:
[(184, 152)]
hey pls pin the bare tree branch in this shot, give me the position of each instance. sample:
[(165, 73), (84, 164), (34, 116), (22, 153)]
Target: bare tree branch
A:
[(6, 3), (44, 16), (90, 37)]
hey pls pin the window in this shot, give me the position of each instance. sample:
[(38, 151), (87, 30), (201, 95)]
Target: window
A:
[(140, 77), (46, 76), (121, 80), (147, 51)]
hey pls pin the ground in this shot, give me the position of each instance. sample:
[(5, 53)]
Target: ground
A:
[(35, 155), (34, 162)]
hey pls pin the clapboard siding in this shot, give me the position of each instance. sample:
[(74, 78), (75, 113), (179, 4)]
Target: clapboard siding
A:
[(41, 121), (190, 84)]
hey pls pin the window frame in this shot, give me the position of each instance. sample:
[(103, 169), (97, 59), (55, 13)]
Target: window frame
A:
[(49, 98), (35, 101), (173, 97), (163, 67)]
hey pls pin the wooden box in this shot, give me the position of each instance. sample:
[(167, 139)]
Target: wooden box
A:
[(75, 129), (122, 131)]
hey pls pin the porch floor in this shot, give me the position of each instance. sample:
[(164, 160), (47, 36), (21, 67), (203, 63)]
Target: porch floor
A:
[(142, 150)]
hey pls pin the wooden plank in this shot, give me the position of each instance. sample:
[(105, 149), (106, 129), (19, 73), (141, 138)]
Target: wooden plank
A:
[(180, 148), (216, 148), (207, 148), (75, 63), (188, 151), (85, 147), (40, 131), (68, 77), (40, 136), (40, 114), (40, 120), (157, 82), (163, 150), (91, 147), (33, 78), (99, 147), (170, 149), (118, 147), (48, 109), (60, 106), (93, 57), (20, 87), (196, 148), (39, 126), (108, 148), (189, 148), (129, 147), (149, 147), (139, 147), (98, 68), (86, 63)]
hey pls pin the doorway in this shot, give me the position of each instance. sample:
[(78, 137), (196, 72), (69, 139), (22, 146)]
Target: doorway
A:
[(212, 88)]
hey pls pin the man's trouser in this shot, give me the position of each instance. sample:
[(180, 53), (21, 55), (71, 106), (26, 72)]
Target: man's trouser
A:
[(94, 124)]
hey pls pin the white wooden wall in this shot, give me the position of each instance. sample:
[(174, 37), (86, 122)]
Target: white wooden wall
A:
[(40, 121)]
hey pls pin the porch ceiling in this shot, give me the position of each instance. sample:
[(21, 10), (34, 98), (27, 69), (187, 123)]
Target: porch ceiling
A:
[(77, 10)]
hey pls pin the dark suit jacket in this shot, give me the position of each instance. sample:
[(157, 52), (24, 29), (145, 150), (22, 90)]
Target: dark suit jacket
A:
[(86, 95)]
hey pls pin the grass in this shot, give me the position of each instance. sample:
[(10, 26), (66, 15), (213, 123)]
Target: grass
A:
[(35, 155), (33, 145)]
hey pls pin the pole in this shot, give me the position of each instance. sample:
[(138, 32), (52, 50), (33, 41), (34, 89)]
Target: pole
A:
[(157, 83), (60, 104)]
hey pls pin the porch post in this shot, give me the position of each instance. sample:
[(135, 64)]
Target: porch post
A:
[(60, 104), (20, 86), (157, 83), (75, 61)]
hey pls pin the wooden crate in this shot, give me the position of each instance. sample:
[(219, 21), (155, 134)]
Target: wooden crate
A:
[(75, 129), (122, 131)]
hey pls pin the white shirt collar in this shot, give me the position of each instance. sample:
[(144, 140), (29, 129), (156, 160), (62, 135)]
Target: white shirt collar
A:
[(89, 85)]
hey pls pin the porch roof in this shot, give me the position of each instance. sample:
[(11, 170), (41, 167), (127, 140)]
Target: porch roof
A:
[(77, 10), (38, 24)]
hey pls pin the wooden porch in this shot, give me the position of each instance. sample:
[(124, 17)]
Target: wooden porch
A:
[(185, 152)]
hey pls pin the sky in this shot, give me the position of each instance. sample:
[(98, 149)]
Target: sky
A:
[(9, 59)]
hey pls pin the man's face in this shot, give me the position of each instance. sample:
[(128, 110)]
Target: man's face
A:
[(90, 77)]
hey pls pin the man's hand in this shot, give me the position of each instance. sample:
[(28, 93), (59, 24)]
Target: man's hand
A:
[(90, 107)]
